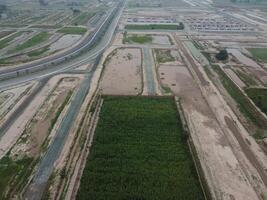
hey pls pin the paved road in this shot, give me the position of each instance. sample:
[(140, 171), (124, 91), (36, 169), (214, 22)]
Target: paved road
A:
[(85, 58), (45, 169), (14, 116), (149, 73)]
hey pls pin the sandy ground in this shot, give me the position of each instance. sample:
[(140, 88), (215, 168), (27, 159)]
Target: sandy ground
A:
[(39, 127), (122, 74), (82, 67), (160, 39), (225, 174), (14, 132), (64, 42), (174, 53), (243, 59), (234, 77), (9, 98), (247, 151), (234, 142)]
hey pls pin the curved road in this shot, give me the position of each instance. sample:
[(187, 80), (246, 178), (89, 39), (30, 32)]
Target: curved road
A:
[(35, 190), (88, 42), (72, 63)]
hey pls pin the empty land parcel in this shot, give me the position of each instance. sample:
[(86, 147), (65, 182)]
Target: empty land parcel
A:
[(139, 152)]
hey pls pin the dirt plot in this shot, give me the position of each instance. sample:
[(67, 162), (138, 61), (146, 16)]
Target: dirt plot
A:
[(123, 72), (225, 175), (16, 130), (64, 42), (167, 56), (42, 123), (10, 97), (20, 156), (5, 33)]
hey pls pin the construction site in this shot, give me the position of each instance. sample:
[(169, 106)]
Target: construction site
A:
[(134, 100)]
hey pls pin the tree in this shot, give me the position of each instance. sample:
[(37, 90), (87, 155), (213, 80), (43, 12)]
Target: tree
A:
[(222, 55), (181, 26), (75, 11)]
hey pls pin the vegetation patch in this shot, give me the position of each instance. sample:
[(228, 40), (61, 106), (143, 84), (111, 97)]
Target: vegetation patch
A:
[(73, 30), (140, 39), (222, 55), (243, 103), (45, 26), (39, 38), (197, 45), (5, 42), (248, 80), (14, 174), (259, 53), (179, 26), (207, 55), (259, 97), (139, 152), (38, 52), (164, 55)]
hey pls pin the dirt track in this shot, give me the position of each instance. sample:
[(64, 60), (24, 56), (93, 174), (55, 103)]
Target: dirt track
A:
[(246, 149), (206, 114)]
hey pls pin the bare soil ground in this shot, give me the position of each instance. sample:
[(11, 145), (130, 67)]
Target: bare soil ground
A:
[(234, 77), (15, 131), (222, 169), (123, 72), (9, 98), (38, 129), (254, 171)]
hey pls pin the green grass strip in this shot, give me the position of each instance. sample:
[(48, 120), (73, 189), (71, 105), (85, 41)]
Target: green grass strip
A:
[(154, 26), (245, 106), (5, 42), (259, 53), (39, 38)]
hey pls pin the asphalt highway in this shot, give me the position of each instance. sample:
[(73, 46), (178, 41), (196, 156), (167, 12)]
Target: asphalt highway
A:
[(53, 61), (80, 60), (46, 165)]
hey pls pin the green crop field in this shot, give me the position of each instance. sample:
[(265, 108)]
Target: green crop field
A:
[(154, 26), (141, 39), (259, 53), (73, 30), (259, 97), (139, 152), (40, 37)]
